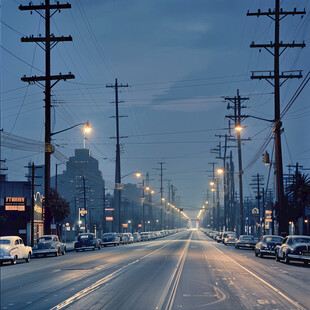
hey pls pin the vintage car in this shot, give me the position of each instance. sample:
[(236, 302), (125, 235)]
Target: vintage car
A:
[(110, 239), (12, 248), (136, 237), (230, 239), (87, 241), (295, 247), (245, 241), (267, 245), (49, 244)]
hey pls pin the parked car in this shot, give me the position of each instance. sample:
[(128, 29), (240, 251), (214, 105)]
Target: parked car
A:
[(123, 239), (130, 237), (245, 241), (136, 237), (145, 236), (230, 239), (110, 239), (294, 248), (12, 248), (267, 245), (87, 241), (49, 244)]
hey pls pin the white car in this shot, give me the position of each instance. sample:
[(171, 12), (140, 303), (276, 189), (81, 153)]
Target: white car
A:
[(12, 248)]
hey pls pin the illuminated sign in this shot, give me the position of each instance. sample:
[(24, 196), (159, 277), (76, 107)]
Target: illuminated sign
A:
[(109, 209), (109, 218), (83, 211), (125, 225), (139, 225), (15, 203)]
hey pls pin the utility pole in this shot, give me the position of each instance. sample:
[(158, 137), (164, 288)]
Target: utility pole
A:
[(276, 49), (213, 189), (85, 206), (161, 193), (238, 118), (47, 43), (143, 206), (33, 177), (257, 185), (118, 184)]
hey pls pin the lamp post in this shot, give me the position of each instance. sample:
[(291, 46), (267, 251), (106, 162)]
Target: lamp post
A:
[(48, 150)]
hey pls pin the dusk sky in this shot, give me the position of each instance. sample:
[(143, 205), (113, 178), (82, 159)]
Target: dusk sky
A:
[(180, 59)]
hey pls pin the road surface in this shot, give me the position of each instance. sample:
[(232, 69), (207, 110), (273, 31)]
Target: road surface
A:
[(187, 270)]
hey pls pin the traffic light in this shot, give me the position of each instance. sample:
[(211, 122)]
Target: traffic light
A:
[(266, 159)]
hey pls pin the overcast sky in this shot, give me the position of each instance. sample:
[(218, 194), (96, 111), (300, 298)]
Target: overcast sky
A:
[(179, 58)]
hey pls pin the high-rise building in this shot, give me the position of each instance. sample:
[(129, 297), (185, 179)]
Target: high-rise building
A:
[(82, 185)]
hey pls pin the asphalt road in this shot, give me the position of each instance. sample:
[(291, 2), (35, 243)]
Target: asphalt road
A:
[(184, 271)]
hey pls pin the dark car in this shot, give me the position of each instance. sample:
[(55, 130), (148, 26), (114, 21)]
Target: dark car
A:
[(295, 248), (267, 245), (245, 241), (110, 239), (49, 244), (123, 239), (87, 241)]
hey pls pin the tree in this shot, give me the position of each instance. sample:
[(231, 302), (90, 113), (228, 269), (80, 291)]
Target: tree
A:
[(298, 193), (59, 207)]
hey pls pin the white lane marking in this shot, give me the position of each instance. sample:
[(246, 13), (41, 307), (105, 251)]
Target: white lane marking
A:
[(102, 281), (169, 284), (265, 282)]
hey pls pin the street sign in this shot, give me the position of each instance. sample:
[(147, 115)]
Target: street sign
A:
[(83, 211), (255, 211)]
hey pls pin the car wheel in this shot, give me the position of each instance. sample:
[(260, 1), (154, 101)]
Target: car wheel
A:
[(277, 257), (260, 255), (83, 250), (236, 246), (115, 244), (63, 252), (13, 261), (28, 258), (36, 255), (256, 254), (286, 259), (57, 253), (306, 262)]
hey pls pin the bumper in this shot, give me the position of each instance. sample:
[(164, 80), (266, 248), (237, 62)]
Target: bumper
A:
[(299, 257), (268, 252), (246, 245), (6, 258), (109, 242), (85, 247), (44, 251)]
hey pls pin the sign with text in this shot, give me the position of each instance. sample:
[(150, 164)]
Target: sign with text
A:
[(109, 218), (14, 203)]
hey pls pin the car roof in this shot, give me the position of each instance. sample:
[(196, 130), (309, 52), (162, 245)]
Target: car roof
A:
[(44, 236), (10, 237)]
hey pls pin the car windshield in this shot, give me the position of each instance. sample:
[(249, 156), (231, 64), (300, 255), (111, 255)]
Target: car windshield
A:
[(85, 237), (301, 240), (273, 239), (4, 241), (108, 236), (44, 239), (247, 237)]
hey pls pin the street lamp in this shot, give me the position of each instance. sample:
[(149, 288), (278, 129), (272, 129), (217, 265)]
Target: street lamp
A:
[(238, 127)]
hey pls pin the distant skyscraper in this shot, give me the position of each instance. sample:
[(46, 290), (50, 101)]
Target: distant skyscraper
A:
[(82, 185)]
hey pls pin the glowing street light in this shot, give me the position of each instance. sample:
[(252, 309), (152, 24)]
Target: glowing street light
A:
[(220, 171), (138, 174), (211, 183), (238, 128)]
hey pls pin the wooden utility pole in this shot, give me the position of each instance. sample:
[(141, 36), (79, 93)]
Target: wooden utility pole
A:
[(47, 43), (276, 49), (238, 118), (32, 177), (118, 184)]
